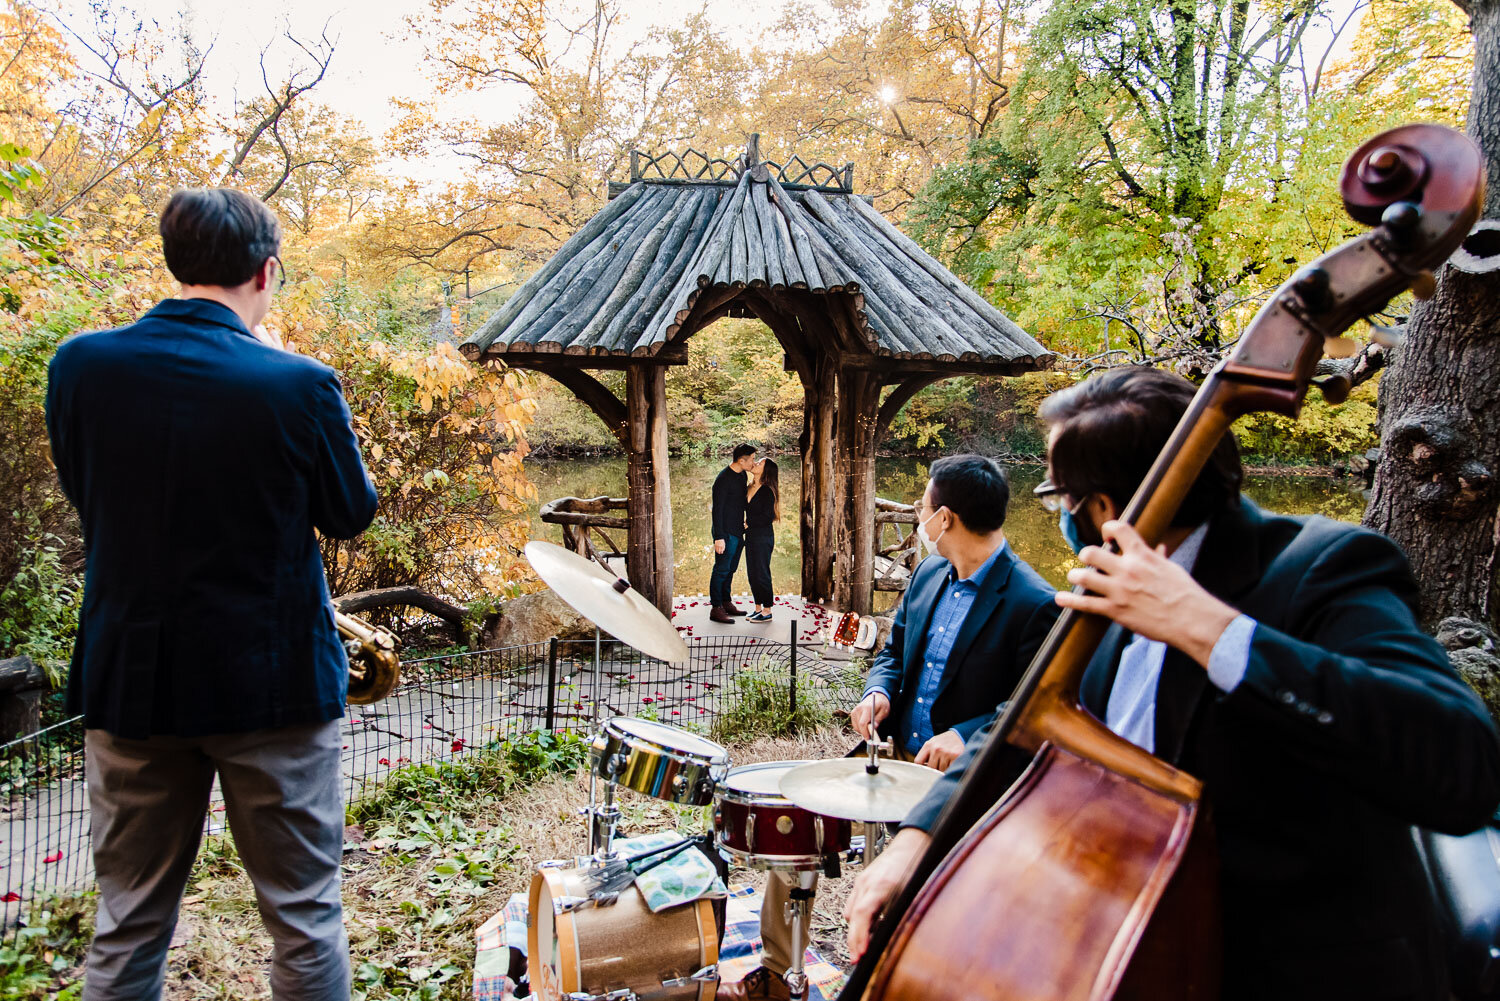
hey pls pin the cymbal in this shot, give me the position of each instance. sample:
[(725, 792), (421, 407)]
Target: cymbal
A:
[(606, 600), (843, 788)]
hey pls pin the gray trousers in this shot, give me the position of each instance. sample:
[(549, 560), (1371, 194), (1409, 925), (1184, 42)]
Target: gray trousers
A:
[(148, 799), (776, 948)]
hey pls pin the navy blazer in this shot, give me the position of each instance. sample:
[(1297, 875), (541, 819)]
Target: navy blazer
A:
[(200, 461), (1006, 624), (1348, 727)]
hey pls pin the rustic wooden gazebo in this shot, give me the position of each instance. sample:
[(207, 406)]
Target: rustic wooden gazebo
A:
[(856, 305)]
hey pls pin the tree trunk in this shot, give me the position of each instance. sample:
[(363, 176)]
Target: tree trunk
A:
[(648, 558), (859, 405), (1435, 490)]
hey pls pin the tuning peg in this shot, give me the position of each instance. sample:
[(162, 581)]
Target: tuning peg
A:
[(1312, 285), (1386, 337), (1423, 285), (1401, 220), (1335, 388)]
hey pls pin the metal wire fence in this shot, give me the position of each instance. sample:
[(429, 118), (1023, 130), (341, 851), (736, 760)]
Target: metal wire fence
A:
[(445, 708)]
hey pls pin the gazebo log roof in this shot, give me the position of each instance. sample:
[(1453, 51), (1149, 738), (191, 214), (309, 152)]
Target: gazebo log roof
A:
[(623, 286)]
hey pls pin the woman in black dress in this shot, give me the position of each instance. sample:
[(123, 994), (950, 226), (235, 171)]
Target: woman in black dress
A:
[(762, 508)]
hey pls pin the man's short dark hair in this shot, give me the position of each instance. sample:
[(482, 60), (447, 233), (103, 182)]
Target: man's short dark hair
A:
[(1112, 427), (217, 236), (974, 488), (740, 451)]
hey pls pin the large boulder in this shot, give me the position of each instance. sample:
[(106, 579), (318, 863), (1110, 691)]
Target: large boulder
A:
[(535, 618), (1472, 650), (22, 685)]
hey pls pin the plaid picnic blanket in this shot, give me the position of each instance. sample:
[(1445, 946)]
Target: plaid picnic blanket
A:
[(738, 955)]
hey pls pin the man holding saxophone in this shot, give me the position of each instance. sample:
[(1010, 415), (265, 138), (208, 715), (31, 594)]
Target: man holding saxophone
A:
[(201, 458)]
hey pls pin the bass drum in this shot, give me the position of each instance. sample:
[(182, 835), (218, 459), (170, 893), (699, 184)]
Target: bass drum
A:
[(621, 951)]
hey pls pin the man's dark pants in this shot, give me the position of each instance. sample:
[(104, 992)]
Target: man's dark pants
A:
[(725, 565)]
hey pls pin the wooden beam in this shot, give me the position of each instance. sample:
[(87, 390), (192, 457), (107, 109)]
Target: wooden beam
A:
[(545, 361), (893, 367), (605, 405), (900, 397)]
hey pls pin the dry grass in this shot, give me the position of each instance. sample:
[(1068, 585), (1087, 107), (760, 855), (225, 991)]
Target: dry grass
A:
[(395, 919)]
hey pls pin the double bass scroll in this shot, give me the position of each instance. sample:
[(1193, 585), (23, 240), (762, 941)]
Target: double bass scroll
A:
[(1092, 876)]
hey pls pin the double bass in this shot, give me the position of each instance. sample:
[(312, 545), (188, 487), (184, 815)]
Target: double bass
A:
[(1093, 875)]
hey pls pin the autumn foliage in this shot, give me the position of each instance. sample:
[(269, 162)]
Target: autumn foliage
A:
[(1053, 153)]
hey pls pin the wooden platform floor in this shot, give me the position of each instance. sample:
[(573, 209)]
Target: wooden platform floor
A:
[(790, 612)]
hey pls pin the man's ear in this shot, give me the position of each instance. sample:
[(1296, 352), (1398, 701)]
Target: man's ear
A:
[(1104, 508)]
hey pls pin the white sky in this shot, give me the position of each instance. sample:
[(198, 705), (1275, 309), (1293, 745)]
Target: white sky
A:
[(377, 62)]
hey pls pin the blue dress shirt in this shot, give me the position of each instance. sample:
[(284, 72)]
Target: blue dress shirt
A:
[(915, 726)]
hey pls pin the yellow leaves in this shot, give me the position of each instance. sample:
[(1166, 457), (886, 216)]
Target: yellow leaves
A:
[(377, 451)]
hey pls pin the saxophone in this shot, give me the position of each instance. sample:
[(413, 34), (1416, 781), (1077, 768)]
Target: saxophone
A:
[(374, 667)]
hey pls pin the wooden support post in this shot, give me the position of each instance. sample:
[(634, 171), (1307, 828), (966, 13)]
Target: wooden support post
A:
[(858, 407), (648, 558), (830, 508)]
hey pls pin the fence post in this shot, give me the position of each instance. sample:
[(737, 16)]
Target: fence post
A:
[(792, 699), (551, 682)]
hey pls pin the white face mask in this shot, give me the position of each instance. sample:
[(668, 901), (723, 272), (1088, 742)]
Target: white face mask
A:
[(930, 543)]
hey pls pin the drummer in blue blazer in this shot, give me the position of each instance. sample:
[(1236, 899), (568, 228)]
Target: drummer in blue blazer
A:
[(973, 616)]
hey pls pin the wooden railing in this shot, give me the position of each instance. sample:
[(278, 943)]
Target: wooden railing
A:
[(897, 558), (585, 522)]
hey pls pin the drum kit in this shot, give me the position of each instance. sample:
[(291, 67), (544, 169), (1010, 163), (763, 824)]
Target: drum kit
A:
[(591, 936)]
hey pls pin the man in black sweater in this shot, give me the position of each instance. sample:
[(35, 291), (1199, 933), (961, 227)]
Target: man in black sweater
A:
[(729, 532)]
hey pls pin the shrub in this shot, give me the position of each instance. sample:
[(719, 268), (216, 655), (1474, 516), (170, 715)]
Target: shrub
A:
[(39, 608), (758, 705)]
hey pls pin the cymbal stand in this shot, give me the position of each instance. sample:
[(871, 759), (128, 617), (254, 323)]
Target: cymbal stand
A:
[(875, 832), (602, 819), (798, 913)]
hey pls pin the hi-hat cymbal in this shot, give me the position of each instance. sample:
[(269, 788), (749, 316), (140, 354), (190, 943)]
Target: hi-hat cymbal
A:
[(844, 788), (606, 601)]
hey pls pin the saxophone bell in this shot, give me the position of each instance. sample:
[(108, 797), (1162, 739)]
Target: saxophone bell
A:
[(374, 666)]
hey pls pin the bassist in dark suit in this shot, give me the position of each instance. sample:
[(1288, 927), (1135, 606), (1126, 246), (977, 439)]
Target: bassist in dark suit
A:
[(1279, 660)]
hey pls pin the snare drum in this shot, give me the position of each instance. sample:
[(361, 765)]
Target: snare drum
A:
[(666, 762), (618, 951), (760, 828)]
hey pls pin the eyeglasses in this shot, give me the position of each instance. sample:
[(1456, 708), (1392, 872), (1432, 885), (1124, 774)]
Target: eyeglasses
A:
[(280, 274), (1050, 494)]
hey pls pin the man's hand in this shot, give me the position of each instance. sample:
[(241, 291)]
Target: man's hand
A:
[(719, 546), (260, 333), (870, 713), (875, 887), (941, 751), (1145, 592)]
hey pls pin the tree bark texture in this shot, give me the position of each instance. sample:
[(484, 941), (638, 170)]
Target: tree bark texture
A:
[(1435, 491), (649, 549), (858, 409)]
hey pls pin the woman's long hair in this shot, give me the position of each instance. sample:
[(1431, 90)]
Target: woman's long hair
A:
[(770, 479)]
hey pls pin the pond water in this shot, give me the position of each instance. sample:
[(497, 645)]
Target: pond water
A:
[(1031, 529)]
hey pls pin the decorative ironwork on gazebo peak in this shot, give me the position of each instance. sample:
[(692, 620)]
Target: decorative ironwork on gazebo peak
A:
[(694, 166)]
